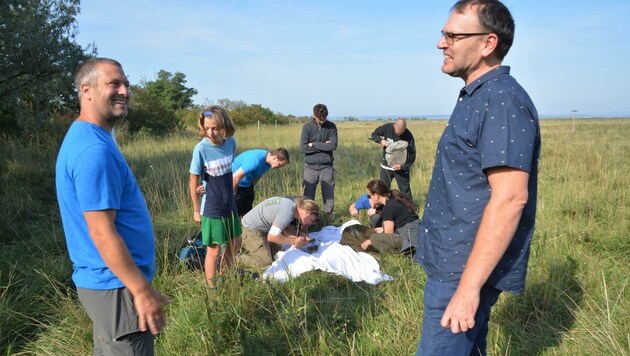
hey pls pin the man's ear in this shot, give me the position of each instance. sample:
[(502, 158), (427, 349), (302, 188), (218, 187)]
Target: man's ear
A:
[(490, 44), (86, 91)]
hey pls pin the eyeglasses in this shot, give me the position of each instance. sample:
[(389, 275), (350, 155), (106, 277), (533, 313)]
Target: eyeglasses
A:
[(452, 37)]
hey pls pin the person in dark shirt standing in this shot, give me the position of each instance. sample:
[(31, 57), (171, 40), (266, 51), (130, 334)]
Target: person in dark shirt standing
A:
[(317, 143), (478, 220), (386, 135)]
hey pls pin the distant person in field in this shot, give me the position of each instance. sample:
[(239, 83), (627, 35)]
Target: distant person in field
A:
[(373, 212), (216, 212), (248, 168), (317, 143), (272, 224), (399, 233), (389, 136), (105, 219), (479, 215)]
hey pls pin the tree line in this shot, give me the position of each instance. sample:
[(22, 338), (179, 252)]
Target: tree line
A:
[(38, 57)]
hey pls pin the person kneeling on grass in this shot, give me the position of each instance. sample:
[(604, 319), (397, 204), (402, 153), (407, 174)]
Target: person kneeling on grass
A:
[(399, 233), (267, 227), (364, 203)]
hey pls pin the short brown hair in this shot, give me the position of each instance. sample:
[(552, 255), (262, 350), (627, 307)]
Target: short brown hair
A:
[(320, 111), (88, 74), (281, 154)]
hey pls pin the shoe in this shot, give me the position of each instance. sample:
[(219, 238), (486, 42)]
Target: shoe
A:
[(245, 273)]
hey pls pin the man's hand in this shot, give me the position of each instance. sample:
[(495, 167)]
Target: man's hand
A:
[(300, 241), (197, 217), (149, 306), (384, 143), (200, 189), (371, 211), (353, 211), (459, 315), (396, 167), (365, 244)]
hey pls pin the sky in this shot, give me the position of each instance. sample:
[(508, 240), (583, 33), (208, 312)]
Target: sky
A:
[(361, 58)]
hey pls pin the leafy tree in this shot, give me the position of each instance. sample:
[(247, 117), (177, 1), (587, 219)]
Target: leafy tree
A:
[(149, 114), (38, 57), (171, 90)]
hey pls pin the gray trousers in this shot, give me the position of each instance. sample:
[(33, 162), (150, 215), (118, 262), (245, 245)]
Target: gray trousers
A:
[(115, 323), (327, 177)]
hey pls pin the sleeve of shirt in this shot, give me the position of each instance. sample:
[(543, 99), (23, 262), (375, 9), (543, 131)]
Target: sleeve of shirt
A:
[(304, 139), (411, 153), (332, 145), (363, 202), (283, 218), (508, 134), (196, 163), (98, 178), (378, 134), (388, 213)]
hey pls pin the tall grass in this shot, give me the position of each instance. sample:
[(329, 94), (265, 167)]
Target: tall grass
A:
[(576, 301)]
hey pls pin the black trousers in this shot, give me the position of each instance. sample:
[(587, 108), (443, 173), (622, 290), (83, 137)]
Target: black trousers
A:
[(402, 179)]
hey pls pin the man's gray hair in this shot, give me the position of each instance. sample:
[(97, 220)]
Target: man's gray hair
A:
[(87, 73)]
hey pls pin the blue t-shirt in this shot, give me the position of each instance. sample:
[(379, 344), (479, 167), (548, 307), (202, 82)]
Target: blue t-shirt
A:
[(363, 202), (214, 164), (494, 124), (253, 163), (92, 175)]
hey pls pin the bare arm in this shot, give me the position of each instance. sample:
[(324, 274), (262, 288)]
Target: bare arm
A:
[(147, 301), (388, 226), (497, 227), (288, 237), (192, 185), (353, 210), (236, 178)]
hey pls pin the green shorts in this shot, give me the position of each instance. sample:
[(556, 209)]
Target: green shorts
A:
[(218, 231)]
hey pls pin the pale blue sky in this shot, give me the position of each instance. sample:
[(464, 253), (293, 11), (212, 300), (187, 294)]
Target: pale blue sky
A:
[(361, 58)]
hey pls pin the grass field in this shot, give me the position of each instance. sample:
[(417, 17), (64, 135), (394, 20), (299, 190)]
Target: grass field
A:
[(577, 300)]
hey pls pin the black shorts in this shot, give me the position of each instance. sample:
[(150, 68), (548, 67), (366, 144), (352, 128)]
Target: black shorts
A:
[(244, 199)]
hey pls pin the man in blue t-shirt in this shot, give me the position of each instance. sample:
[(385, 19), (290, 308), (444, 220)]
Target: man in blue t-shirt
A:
[(364, 203), (479, 214), (105, 219), (248, 168)]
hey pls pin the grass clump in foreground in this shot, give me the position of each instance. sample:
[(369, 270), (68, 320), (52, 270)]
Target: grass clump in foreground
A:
[(576, 300)]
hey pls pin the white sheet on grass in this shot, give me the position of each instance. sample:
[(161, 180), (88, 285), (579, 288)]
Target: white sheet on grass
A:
[(330, 257)]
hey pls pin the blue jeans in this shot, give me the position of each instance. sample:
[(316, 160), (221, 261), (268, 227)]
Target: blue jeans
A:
[(436, 340)]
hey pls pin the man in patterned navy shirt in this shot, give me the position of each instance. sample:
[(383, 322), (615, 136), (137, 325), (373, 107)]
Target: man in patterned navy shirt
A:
[(479, 214)]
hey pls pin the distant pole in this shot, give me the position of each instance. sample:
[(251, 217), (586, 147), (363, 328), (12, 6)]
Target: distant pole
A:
[(259, 126), (574, 111)]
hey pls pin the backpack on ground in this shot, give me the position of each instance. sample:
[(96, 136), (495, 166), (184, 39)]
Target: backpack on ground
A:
[(192, 252)]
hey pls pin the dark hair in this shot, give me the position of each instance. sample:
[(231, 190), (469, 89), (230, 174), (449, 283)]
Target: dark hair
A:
[(377, 186), (496, 18), (320, 111), (281, 154), (88, 74), (223, 118)]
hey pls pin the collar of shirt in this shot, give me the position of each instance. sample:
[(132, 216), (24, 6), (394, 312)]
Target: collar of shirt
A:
[(470, 88)]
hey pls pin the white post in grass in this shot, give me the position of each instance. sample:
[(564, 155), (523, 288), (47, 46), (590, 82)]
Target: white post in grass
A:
[(574, 111)]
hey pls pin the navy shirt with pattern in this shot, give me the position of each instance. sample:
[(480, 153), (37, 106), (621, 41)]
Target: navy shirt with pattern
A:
[(214, 164), (494, 124)]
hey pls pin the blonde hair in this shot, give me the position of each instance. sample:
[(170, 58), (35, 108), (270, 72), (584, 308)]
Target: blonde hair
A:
[(223, 118), (307, 205)]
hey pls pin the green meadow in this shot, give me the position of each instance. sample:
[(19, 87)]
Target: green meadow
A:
[(577, 299)]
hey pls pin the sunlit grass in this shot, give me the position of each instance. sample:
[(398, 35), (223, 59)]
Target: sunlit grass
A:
[(576, 301)]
